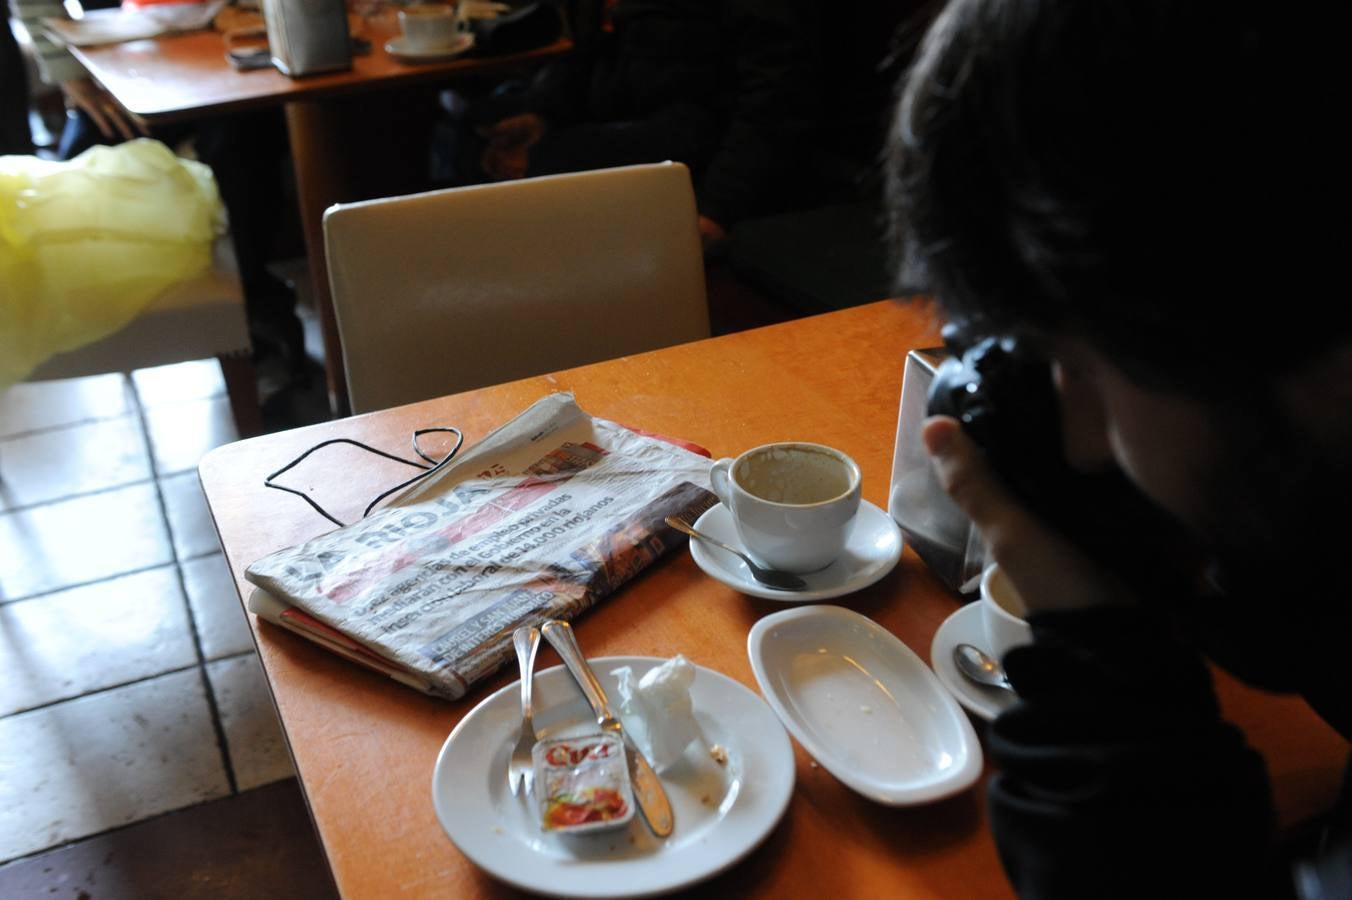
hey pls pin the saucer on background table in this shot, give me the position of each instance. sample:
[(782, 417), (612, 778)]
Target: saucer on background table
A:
[(871, 551), (400, 49), (965, 627)]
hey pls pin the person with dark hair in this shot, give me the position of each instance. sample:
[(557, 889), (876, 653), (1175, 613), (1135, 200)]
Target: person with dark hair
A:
[(1134, 187), (15, 136), (731, 88), (90, 108), (248, 154)]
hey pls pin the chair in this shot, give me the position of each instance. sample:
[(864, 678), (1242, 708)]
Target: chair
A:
[(195, 319), (455, 289)]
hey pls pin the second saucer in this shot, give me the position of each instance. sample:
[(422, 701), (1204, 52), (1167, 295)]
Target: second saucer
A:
[(964, 627)]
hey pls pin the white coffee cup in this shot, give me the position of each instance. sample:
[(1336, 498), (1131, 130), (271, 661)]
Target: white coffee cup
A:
[(1002, 613), (431, 26), (792, 503)]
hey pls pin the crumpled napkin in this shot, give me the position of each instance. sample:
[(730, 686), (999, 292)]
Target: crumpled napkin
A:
[(657, 710)]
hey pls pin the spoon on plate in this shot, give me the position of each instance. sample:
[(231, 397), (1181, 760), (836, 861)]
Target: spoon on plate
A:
[(780, 580), (980, 667)]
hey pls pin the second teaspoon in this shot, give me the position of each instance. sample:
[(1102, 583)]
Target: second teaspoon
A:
[(980, 667)]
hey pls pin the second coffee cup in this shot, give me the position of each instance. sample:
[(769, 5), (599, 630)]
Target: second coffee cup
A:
[(1002, 614), (792, 503)]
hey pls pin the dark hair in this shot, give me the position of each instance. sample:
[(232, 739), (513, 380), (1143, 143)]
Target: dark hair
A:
[(1138, 172)]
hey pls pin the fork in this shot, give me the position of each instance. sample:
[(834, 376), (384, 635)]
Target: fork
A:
[(520, 768)]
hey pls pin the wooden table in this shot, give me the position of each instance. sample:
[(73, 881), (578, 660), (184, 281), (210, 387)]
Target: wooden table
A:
[(186, 77), (364, 747)]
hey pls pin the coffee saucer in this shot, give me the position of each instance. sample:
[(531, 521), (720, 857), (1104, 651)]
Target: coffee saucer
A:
[(871, 551), (401, 50), (965, 627)]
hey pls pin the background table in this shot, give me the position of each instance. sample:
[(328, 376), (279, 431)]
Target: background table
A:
[(364, 747), (184, 77)]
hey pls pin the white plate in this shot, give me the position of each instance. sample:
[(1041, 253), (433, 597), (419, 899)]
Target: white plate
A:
[(964, 627), (864, 705), (722, 812), (871, 551), (402, 51)]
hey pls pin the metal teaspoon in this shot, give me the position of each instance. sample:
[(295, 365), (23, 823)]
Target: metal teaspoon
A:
[(775, 579), (980, 667)]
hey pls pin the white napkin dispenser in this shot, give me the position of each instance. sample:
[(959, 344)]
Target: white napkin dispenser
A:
[(937, 530), (308, 36)]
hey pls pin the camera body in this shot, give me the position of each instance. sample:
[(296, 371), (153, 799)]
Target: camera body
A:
[(1003, 395)]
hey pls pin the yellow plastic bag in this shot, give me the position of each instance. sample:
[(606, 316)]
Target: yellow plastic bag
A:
[(85, 245)]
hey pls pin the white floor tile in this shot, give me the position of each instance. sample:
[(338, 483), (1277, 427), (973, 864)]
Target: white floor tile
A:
[(257, 749), (60, 545), (189, 519), (181, 382), (47, 404), (70, 643), (180, 435), (222, 623), (77, 459), (87, 765)]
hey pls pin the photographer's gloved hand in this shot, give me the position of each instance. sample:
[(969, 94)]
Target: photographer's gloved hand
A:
[(1049, 573)]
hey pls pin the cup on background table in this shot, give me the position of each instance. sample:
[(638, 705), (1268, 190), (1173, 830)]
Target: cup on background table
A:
[(1002, 614), (792, 503), (433, 26)]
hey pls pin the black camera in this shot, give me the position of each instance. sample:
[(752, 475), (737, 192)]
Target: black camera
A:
[(1002, 392), (1004, 398)]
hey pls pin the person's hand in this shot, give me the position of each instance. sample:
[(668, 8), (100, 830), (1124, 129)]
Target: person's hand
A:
[(1048, 571), (99, 105), (711, 234), (507, 152)]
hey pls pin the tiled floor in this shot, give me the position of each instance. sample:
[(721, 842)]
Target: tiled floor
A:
[(129, 687), (140, 756)]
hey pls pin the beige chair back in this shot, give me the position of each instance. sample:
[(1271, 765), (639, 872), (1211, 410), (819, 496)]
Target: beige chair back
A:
[(456, 289)]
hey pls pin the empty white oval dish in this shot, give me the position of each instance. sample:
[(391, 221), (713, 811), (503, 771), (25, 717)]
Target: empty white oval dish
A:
[(864, 705)]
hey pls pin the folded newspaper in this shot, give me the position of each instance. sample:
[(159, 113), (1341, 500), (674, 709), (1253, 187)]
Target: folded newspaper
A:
[(547, 515)]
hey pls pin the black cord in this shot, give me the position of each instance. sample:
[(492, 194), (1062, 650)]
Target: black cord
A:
[(426, 470)]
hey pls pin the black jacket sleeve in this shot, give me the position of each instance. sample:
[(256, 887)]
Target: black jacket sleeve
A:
[(1118, 776)]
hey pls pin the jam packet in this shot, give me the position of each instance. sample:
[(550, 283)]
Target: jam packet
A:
[(582, 784)]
